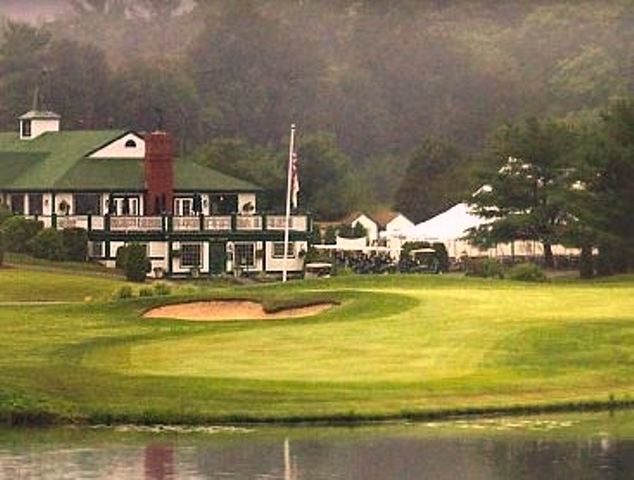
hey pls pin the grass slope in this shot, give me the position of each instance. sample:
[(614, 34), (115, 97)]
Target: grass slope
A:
[(396, 346), (45, 284)]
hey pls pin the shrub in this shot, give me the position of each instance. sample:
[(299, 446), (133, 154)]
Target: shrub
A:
[(75, 244), (348, 231), (1, 248), (330, 236), (586, 264), (122, 258), (5, 213), (162, 289), (485, 268), (18, 231), (136, 264), (442, 255), (146, 292), (47, 244), (315, 236), (527, 272), (124, 292)]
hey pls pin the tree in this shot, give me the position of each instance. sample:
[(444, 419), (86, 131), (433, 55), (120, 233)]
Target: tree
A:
[(239, 158), (133, 260), (328, 187), (79, 85), (75, 242), (256, 74), (525, 197), (112, 9), (435, 179), (606, 172), (22, 51), (18, 231), (144, 93)]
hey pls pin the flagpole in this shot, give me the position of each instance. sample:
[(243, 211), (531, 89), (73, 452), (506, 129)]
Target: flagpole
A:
[(287, 224)]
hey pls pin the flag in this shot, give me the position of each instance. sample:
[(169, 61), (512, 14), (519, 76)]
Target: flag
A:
[(294, 179)]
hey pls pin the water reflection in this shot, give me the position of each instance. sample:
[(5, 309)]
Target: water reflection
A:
[(298, 454), (159, 461)]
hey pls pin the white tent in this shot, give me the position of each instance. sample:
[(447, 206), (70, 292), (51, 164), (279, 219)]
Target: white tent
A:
[(452, 224)]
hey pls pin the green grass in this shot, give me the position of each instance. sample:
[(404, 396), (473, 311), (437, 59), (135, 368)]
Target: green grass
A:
[(395, 346), (26, 261), (49, 285)]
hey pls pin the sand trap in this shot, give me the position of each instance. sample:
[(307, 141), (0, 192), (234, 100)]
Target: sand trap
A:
[(222, 310)]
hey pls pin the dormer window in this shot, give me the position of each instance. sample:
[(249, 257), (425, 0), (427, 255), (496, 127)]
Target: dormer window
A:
[(26, 128), (130, 144)]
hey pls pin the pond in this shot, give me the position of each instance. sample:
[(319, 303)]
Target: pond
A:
[(578, 446)]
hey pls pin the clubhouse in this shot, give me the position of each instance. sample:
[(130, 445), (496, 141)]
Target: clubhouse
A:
[(124, 186)]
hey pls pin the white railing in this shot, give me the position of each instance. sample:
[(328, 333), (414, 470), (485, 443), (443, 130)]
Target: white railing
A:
[(97, 223), (222, 223), (136, 224), (72, 221), (186, 224), (249, 222), (278, 222)]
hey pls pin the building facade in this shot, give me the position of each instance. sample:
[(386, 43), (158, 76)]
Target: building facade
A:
[(124, 187)]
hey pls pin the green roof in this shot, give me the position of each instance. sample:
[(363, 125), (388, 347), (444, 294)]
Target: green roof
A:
[(192, 176), (58, 161)]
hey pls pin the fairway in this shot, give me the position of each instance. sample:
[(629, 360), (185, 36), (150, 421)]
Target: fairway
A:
[(393, 345)]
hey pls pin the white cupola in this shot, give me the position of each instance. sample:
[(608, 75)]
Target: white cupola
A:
[(36, 122)]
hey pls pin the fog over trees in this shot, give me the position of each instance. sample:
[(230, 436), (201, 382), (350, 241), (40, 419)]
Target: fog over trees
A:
[(370, 83)]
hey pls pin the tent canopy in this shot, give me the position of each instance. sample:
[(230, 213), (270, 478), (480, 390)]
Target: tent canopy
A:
[(451, 224)]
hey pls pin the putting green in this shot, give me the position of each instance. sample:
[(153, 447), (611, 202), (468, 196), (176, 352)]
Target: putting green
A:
[(451, 333)]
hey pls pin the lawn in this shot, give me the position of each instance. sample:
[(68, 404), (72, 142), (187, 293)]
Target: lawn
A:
[(394, 346), (45, 284)]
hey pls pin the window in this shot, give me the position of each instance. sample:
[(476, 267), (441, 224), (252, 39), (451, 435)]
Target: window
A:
[(87, 203), (125, 206), (223, 204), (245, 254), (130, 144), (184, 207), (26, 128), (17, 204), (278, 250), (95, 249), (36, 204), (190, 255)]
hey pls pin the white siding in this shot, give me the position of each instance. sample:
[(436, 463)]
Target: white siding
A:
[(40, 126), (243, 199), (294, 264), (63, 197), (400, 222), (369, 225), (117, 149)]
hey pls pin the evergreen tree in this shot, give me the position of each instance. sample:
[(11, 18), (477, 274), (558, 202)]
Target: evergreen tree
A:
[(525, 198), (434, 180)]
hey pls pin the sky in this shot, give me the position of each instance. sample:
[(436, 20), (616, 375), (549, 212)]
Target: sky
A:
[(32, 10)]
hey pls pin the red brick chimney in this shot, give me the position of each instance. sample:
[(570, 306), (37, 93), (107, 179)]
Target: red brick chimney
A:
[(159, 173)]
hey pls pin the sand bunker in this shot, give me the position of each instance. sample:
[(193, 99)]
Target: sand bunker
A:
[(222, 310)]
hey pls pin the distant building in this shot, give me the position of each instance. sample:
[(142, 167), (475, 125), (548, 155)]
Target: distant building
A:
[(379, 224), (124, 186)]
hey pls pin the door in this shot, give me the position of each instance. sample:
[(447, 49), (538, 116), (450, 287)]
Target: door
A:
[(217, 257)]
